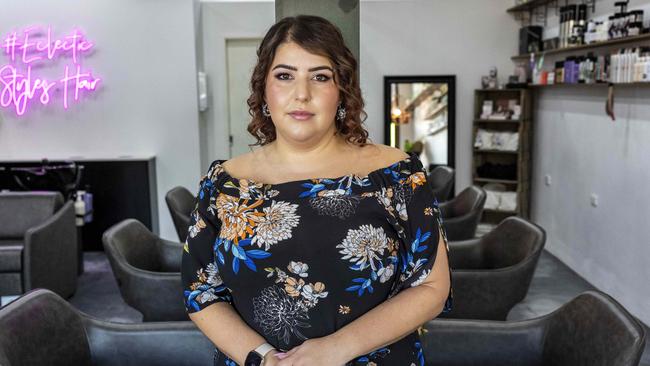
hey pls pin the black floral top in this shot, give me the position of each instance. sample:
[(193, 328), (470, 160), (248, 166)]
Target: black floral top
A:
[(302, 259)]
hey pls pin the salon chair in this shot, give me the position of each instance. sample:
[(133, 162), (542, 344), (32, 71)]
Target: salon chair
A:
[(592, 329), (491, 274), (38, 243), (180, 202), (40, 328), (441, 180), (147, 270), (462, 213)]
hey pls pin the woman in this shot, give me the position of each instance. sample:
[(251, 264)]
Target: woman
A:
[(281, 268)]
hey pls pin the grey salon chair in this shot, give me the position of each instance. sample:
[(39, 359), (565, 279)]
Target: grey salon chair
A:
[(38, 243), (180, 202), (147, 270), (441, 180), (590, 330), (462, 213), (491, 274), (40, 328)]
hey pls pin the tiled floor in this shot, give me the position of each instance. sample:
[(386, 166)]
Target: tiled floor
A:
[(553, 285)]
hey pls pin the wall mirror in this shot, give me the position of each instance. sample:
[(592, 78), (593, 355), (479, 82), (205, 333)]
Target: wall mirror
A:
[(419, 116)]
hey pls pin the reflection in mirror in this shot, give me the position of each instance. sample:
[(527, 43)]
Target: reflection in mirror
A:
[(419, 117)]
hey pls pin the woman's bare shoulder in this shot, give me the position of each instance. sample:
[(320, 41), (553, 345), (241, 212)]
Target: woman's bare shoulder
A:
[(383, 154)]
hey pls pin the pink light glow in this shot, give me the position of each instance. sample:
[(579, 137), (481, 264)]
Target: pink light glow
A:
[(18, 87)]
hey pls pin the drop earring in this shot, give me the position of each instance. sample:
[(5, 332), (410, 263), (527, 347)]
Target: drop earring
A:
[(265, 110), (340, 113)]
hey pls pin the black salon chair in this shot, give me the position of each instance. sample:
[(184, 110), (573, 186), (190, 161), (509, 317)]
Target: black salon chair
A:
[(40, 328), (147, 270), (180, 202), (492, 274), (38, 243), (441, 180), (591, 330), (462, 213)]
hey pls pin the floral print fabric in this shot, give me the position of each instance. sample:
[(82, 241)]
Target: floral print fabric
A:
[(302, 259)]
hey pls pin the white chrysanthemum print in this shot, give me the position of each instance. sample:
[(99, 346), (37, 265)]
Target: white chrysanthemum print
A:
[(199, 224), (214, 278), (364, 246), (385, 273), (276, 224), (298, 268)]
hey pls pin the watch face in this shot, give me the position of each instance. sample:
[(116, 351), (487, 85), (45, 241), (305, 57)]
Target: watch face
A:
[(253, 359)]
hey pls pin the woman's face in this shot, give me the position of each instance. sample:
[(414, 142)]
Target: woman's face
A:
[(301, 81)]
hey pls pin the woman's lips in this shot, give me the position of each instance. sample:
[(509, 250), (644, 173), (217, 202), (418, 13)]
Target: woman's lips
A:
[(301, 116)]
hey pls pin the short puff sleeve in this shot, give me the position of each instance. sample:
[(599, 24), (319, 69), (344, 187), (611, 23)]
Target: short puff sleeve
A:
[(202, 284), (420, 221)]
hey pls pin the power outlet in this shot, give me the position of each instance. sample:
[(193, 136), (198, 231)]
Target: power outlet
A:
[(547, 180)]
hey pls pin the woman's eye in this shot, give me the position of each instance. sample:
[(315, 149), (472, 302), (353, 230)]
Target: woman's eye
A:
[(322, 77), (283, 76)]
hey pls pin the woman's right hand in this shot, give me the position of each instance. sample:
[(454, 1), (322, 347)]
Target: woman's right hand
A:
[(270, 359)]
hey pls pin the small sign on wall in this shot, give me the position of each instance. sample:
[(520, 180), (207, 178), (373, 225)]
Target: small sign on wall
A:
[(30, 51)]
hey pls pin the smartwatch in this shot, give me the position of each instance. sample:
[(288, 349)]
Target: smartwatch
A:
[(256, 356)]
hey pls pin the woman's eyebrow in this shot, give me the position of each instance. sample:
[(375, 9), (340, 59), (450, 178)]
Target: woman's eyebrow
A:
[(296, 69)]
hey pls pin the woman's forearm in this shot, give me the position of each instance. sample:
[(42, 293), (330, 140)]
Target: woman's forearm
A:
[(226, 329), (390, 321)]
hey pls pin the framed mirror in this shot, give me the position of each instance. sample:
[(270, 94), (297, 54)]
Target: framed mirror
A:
[(419, 116)]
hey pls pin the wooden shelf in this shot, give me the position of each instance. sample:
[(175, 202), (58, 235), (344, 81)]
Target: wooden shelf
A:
[(497, 121), (595, 85), (488, 151), (520, 158), (498, 90), (492, 180), (529, 5), (592, 46)]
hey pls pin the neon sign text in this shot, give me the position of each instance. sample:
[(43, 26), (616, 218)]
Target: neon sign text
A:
[(18, 84)]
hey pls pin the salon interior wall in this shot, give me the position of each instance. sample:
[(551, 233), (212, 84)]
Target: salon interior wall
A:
[(584, 152), (147, 104), (435, 37), (223, 20)]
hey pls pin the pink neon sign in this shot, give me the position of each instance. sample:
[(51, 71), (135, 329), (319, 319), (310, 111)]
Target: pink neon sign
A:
[(28, 51)]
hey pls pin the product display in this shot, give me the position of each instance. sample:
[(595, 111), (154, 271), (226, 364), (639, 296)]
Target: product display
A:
[(496, 140)]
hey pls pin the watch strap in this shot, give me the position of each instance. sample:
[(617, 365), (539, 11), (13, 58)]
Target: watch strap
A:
[(263, 349)]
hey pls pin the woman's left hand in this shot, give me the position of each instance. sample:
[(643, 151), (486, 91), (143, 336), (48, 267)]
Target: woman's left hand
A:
[(314, 352)]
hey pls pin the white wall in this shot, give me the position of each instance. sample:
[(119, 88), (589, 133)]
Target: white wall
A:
[(463, 38), (222, 20), (146, 104), (585, 153)]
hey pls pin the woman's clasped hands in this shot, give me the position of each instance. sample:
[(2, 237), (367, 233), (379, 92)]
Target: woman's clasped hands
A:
[(312, 352)]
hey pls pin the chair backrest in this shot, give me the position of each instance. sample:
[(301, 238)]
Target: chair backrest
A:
[(20, 211), (40, 328), (470, 199), (131, 242), (511, 242), (593, 329), (180, 202), (441, 180)]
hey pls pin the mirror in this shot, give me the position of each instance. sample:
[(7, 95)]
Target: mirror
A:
[(419, 117)]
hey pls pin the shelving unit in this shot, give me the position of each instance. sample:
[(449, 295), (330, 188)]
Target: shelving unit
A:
[(520, 158), (588, 47)]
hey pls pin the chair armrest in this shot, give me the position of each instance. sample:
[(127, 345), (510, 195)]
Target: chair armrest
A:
[(171, 254), (178, 343), (466, 254), (50, 254), (452, 342)]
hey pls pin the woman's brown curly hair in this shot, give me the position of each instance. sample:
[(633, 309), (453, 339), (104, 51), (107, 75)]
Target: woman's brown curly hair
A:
[(318, 36)]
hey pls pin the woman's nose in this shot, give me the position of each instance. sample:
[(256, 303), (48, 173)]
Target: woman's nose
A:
[(302, 91)]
